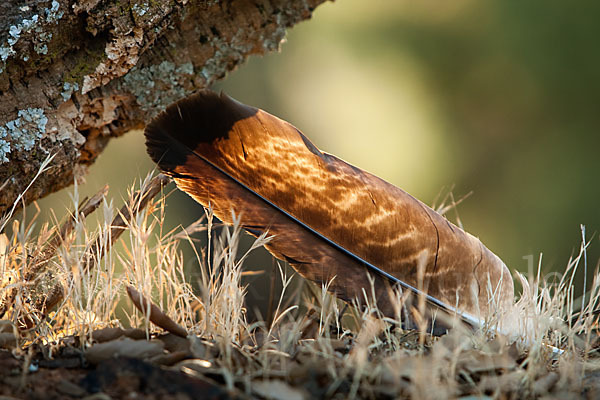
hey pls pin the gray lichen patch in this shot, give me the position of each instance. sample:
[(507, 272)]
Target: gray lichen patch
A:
[(33, 27), (68, 89), (140, 9), (5, 52), (285, 18), (156, 86), (22, 133), (227, 53), (4, 146)]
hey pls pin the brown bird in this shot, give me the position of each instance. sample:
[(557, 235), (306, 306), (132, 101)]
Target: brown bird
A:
[(330, 220)]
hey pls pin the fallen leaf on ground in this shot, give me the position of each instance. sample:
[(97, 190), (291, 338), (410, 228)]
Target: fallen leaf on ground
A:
[(277, 390), (124, 348)]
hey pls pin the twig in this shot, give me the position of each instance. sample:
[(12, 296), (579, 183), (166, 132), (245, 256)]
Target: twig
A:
[(87, 207), (154, 313), (41, 259), (51, 299), (138, 202)]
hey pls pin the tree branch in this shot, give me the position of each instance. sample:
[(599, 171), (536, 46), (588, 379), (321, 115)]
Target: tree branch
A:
[(75, 73)]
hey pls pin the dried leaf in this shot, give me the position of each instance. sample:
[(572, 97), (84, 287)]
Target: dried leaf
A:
[(107, 334), (154, 313), (544, 384), (126, 347), (475, 361), (7, 340), (277, 390)]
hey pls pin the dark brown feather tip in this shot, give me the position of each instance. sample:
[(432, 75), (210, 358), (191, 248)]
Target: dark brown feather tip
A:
[(200, 118)]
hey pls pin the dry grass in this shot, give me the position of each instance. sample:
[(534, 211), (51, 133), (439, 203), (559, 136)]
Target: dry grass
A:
[(326, 350)]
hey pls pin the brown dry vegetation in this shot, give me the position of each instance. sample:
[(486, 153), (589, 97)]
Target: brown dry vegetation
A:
[(68, 329)]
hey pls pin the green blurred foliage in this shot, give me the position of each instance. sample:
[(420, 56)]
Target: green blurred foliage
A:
[(495, 97)]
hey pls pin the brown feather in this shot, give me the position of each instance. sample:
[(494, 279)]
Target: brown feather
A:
[(220, 151)]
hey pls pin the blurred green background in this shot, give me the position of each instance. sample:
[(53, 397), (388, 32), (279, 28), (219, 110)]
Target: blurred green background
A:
[(496, 97)]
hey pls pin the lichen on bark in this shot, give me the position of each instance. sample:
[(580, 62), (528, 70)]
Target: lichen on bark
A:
[(75, 73)]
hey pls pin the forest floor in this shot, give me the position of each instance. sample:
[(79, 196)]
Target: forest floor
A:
[(122, 364), (65, 308)]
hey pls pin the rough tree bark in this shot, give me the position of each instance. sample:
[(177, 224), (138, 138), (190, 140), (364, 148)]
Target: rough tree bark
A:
[(74, 73)]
